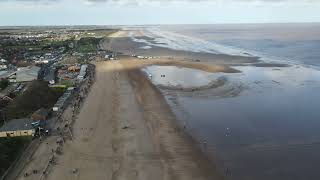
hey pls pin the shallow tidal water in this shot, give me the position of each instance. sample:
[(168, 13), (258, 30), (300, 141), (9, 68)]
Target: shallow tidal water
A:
[(271, 130), (178, 76)]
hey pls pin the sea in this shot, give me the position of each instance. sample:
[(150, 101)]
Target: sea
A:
[(269, 126)]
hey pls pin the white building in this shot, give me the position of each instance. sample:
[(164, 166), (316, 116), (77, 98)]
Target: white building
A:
[(41, 61), (83, 72), (3, 67), (3, 61)]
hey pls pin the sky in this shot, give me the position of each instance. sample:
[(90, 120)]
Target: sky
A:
[(140, 12)]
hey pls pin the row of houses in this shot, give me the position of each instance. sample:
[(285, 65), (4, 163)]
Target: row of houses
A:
[(28, 126), (31, 73), (60, 104)]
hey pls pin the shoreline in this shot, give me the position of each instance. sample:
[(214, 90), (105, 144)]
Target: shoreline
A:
[(124, 44), (163, 61), (139, 81)]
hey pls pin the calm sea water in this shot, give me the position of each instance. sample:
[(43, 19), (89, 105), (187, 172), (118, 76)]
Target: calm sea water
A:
[(271, 129), (289, 42), (268, 131)]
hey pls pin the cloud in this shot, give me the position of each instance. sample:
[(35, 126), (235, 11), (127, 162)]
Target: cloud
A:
[(35, 0), (202, 1), (289, 1), (29, 1), (164, 2), (168, 1)]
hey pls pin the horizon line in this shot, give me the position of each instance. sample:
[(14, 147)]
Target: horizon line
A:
[(163, 24)]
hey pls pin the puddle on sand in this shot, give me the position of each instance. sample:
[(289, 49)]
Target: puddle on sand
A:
[(268, 131), (173, 76)]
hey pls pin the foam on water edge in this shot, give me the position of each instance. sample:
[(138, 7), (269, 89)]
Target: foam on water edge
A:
[(177, 41)]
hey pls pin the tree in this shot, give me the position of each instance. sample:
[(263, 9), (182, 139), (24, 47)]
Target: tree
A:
[(4, 83)]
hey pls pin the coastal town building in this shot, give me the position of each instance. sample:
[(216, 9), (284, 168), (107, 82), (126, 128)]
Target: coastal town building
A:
[(17, 127), (74, 68), (60, 104), (3, 67), (3, 61), (6, 74), (50, 75), (40, 115), (27, 74), (83, 72)]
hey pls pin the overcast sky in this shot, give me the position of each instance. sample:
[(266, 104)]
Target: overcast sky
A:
[(133, 12)]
